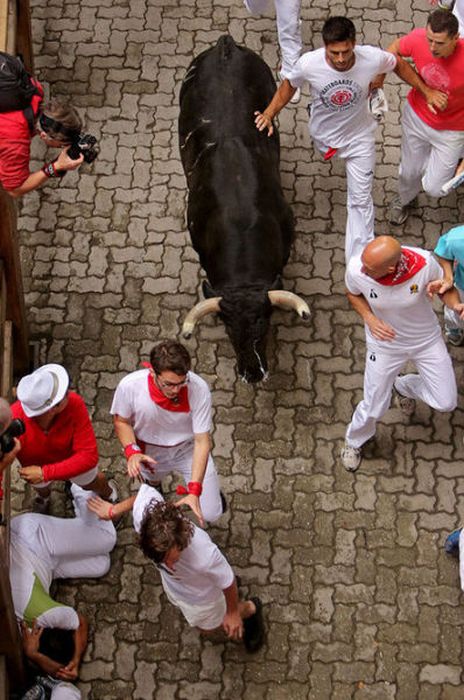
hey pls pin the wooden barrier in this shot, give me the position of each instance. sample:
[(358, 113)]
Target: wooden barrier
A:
[(15, 37)]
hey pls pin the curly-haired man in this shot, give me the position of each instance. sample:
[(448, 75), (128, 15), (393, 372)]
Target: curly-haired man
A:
[(196, 576)]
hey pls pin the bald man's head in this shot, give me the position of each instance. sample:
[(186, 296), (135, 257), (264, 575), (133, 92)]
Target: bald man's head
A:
[(380, 257), (5, 415)]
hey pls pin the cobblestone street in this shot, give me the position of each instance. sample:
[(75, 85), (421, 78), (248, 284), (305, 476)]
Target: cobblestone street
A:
[(360, 600)]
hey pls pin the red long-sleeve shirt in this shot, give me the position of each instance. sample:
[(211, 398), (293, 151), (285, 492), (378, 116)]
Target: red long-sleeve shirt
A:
[(67, 449)]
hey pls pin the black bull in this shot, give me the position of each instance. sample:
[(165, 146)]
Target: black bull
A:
[(240, 224)]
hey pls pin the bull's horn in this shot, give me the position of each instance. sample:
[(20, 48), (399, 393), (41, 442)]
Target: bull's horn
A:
[(288, 300), (208, 306)]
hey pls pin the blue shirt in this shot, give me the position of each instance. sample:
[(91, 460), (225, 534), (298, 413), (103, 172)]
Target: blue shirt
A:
[(451, 247)]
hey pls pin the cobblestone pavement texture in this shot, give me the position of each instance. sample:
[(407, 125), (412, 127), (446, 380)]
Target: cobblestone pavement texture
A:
[(360, 600)]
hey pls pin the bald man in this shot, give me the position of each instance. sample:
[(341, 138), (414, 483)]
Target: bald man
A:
[(387, 287)]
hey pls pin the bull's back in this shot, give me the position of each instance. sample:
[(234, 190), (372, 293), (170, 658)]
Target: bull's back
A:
[(222, 88), (236, 206)]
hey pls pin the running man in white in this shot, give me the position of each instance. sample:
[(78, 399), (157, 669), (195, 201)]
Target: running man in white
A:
[(196, 576), (387, 287), (433, 117), (44, 548), (288, 31), (162, 417), (340, 77)]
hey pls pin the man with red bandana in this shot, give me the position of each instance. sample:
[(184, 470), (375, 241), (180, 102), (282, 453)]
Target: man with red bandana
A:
[(433, 117), (162, 417), (387, 287)]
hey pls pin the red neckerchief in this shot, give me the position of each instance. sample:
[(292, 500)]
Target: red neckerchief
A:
[(408, 265), (181, 405)]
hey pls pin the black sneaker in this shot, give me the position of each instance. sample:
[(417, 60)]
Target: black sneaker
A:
[(223, 502), (253, 637)]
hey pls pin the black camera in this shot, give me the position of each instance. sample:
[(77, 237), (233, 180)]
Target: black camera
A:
[(84, 144), (14, 430)]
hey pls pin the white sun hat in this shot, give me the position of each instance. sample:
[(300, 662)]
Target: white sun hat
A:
[(43, 389)]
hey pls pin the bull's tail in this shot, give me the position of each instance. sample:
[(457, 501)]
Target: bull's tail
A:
[(226, 46)]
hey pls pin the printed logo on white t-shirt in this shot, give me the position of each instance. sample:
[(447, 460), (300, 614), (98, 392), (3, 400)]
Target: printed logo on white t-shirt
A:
[(372, 357), (340, 95), (373, 295), (414, 289)]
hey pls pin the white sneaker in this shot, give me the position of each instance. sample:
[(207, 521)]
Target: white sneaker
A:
[(114, 498), (397, 212), (407, 406), (378, 104), (296, 97), (351, 457)]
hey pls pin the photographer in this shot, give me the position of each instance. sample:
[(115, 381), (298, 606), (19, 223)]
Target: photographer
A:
[(6, 457), (57, 124)]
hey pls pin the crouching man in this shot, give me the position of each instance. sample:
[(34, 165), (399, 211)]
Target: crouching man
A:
[(44, 548), (196, 577)]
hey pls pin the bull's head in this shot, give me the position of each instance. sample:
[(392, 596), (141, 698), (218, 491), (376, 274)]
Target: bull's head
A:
[(246, 314)]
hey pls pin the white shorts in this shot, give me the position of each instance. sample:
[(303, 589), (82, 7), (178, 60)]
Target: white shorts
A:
[(80, 480), (206, 616), (65, 691)]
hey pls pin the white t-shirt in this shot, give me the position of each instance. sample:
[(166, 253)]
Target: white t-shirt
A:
[(31, 577), (405, 306), (155, 425), (339, 109), (201, 572)]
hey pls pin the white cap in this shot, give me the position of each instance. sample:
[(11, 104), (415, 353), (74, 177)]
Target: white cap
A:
[(43, 389)]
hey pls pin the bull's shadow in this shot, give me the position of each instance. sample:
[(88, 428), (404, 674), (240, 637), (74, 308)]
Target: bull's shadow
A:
[(239, 222)]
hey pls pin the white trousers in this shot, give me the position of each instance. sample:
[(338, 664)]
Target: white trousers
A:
[(76, 547), (429, 157), (452, 320), (288, 28), (179, 459), (359, 157), (435, 385)]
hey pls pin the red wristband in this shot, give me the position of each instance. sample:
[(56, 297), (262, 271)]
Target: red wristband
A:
[(111, 513), (49, 170), (194, 487), (132, 449)]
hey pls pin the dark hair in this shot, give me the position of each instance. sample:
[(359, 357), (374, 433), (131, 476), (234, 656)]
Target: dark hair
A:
[(57, 644), (443, 21), (170, 355), (163, 526), (66, 118), (338, 29)]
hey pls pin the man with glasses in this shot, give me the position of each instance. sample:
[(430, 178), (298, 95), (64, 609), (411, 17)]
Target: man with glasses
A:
[(162, 418), (433, 118)]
